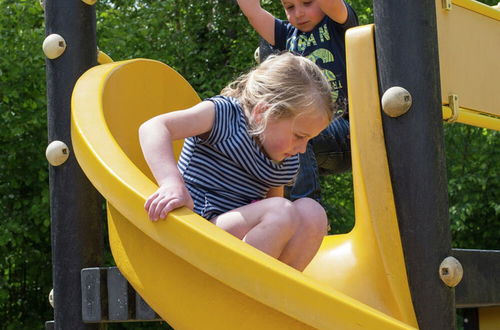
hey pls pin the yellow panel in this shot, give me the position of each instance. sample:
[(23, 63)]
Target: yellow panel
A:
[(480, 8), (196, 275), (489, 318), (469, 48), (368, 263)]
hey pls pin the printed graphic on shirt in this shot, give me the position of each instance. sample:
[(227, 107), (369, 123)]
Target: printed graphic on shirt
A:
[(322, 56), (327, 57)]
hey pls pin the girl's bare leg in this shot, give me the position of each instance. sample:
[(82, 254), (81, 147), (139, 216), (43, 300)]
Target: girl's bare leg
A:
[(267, 225), (307, 239), (289, 231)]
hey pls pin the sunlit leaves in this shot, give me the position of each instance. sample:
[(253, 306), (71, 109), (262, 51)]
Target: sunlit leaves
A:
[(24, 234), (473, 162)]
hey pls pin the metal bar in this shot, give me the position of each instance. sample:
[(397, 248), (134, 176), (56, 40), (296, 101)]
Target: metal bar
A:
[(469, 117), (49, 325)]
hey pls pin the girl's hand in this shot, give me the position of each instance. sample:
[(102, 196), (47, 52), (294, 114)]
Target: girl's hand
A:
[(166, 199)]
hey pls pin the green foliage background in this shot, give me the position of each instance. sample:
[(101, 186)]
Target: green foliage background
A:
[(209, 43)]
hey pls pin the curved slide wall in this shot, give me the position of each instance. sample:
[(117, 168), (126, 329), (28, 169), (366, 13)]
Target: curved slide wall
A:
[(195, 275)]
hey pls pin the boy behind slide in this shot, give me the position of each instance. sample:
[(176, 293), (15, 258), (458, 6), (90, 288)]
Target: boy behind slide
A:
[(314, 29)]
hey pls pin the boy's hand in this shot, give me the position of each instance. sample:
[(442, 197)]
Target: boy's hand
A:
[(166, 199)]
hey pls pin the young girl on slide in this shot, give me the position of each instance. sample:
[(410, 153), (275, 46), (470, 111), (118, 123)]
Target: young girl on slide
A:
[(240, 148)]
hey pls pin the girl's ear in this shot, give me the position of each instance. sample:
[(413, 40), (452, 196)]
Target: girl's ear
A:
[(258, 113)]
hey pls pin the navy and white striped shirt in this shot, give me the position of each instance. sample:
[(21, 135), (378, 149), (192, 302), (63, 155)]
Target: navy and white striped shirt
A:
[(228, 169)]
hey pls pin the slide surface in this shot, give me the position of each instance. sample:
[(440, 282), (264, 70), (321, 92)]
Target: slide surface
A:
[(195, 275)]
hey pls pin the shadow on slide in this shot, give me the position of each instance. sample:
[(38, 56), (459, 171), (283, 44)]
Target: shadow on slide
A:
[(195, 275)]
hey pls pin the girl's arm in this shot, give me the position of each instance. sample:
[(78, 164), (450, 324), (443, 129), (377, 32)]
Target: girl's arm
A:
[(156, 136), (335, 9), (261, 20)]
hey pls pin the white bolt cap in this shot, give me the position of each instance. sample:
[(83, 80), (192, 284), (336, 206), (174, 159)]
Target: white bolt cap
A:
[(57, 153), (396, 101), (51, 298), (53, 46), (451, 271), (256, 55)]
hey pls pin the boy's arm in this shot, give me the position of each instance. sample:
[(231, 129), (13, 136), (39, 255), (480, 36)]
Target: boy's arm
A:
[(260, 19), (335, 9)]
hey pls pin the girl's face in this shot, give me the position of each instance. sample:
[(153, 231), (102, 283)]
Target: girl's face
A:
[(303, 14), (286, 137)]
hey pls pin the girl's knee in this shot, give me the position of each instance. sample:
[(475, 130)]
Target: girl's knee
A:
[(284, 212), (313, 217)]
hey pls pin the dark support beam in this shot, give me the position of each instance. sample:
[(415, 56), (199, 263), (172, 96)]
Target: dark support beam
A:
[(407, 56), (94, 295), (480, 285), (108, 297), (76, 207), (143, 311), (120, 295)]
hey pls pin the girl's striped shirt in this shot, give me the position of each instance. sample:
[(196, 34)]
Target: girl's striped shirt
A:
[(228, 169)]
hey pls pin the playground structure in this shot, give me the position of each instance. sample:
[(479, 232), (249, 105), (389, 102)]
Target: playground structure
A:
[(382, 275)]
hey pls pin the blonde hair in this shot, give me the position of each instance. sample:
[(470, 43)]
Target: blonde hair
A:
[(286, 85)]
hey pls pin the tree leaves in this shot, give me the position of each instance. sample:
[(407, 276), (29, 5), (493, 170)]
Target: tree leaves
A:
[(473, 163)]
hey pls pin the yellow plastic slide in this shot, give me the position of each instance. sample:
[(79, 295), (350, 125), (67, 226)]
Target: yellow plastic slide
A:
[(195, 275)]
